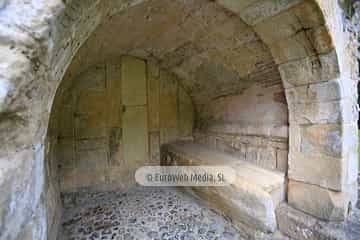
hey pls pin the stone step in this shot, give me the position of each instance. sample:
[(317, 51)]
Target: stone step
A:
[(250, 200), (301, 226)]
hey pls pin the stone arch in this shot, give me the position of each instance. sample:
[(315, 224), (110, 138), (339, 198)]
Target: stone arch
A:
[(38, 39), (301, 42)]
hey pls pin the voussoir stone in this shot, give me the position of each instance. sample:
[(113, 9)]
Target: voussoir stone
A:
[(309, 70), (264, 9), (343, 111), (323, 154)]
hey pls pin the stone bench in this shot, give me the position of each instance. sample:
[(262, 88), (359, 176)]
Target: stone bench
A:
[(250, 201)]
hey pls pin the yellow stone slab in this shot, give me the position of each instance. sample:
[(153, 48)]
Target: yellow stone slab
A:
[(113, 87), (133, 72), (153, 100), (186, 114), (168, 107), (135, 136)]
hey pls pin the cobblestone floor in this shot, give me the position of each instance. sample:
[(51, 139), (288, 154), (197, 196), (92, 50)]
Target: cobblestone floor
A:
[(153, 213), (142, 213)]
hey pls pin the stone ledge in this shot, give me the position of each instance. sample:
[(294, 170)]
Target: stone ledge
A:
[(250, 200)]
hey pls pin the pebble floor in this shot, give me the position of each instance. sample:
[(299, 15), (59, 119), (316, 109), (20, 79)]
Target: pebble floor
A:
[(142, 213)]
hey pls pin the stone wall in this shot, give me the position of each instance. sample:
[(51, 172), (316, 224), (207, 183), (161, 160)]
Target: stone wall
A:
[(252, 126), (112, 119)]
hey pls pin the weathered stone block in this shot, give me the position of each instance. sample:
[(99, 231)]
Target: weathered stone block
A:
[(264, 157), (67, 97), (350, 153), (68, 180), (321, 202), (320, 39), (66, 153), (153, 69), (168, 107), (135, 136), (308, 12), (261, 151), (301, 45), (154, 98), (235, 6), (280, 27), (133, 89), (203, 139), (93, 79), (90, 126), (66, 125), (115, 146), (91, 159), (222, 144), (282, 160), (91, 143), (299, 225), (322, 138), (343, 111), (91, 115), (240, 63), (94, 179), (154, 141), (119, 178), (290, 40), (262, 10), (186, 114), (179, 55), (196, 25), (295, 47), (317, 92), (113, 88), (317, 169), (91, 102), (314, 69), (321, 154)]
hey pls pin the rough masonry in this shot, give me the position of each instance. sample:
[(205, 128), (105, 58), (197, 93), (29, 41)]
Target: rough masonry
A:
[(230, 57)]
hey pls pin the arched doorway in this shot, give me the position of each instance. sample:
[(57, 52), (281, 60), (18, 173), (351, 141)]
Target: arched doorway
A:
[(301, 38)]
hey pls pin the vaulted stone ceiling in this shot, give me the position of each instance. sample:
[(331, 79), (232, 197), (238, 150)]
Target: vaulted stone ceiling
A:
[(210, 49)]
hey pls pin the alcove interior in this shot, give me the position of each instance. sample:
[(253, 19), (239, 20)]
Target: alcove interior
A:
[(92, 90), (180, 72), (115, 116), (198, 72)]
